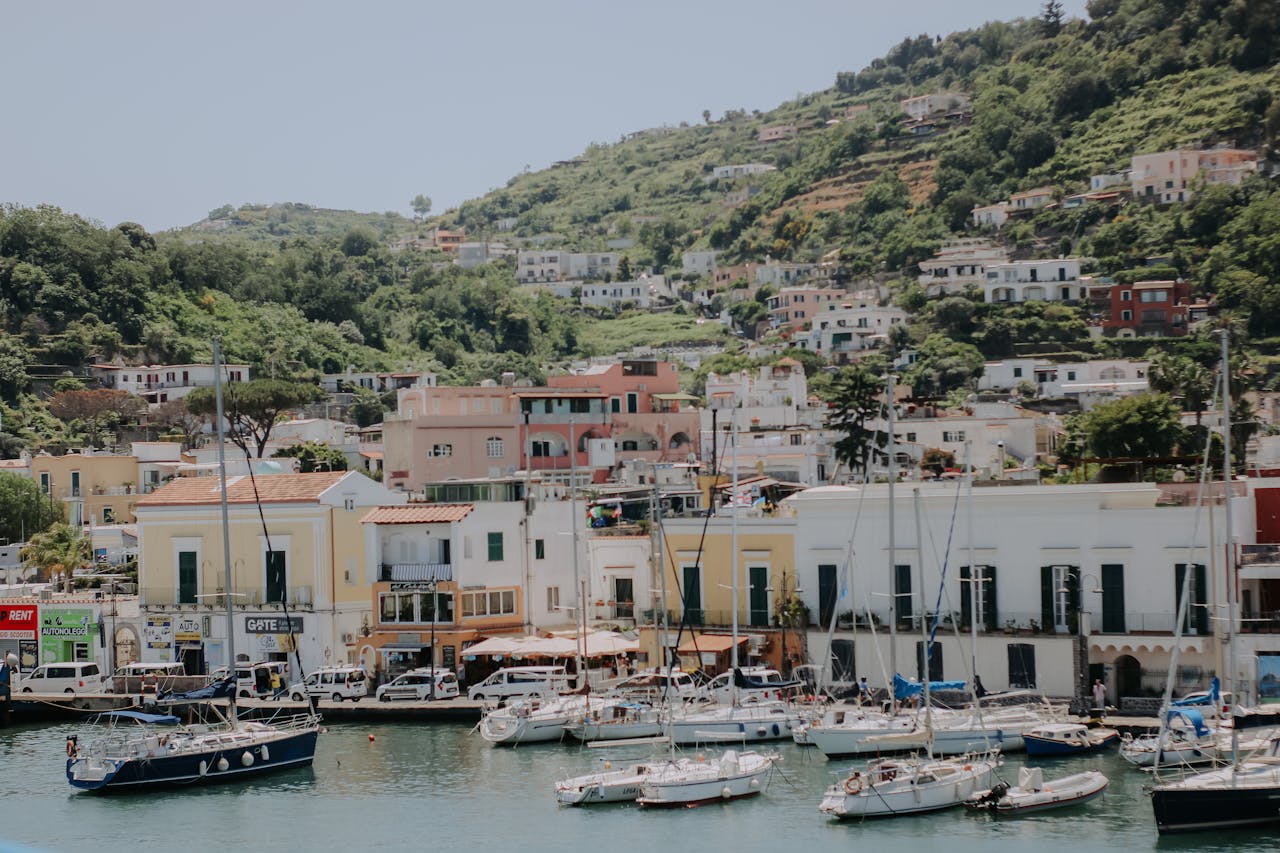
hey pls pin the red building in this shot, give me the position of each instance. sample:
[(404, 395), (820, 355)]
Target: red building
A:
[(1148, 309)]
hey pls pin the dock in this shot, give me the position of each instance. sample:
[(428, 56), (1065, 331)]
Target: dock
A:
[(29, 708)]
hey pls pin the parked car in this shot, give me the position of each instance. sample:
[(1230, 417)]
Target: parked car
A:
[(332, 682), (416, 684), (72, 677), (253, 680), (519, 681), (654, 684)]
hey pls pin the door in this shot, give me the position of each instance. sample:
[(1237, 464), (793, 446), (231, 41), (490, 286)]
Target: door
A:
[(1022, 665), (758, 596), (187, 580), (275, 576), (826, 594), (935, 661), (624, 597), (693, 595)]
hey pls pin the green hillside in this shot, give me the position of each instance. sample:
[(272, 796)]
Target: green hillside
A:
[(298, 291)]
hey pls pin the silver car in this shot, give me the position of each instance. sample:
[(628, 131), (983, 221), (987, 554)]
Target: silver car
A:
[(416, 684)]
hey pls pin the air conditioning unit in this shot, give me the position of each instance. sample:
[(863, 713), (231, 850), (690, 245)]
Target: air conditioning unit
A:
[(348, 638)]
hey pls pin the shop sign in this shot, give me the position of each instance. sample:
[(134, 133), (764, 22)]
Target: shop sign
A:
[(188, 630), (159, 632), (273, 624), (18, 622)]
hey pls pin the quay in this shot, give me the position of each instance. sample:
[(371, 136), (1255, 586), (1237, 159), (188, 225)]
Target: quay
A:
[(29, 708)]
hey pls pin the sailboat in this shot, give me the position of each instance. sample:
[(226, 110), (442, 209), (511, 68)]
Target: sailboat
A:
[(158, 751), (889, 787), (1246, 792)]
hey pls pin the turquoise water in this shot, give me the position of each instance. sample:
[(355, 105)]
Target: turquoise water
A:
[(438, 787)]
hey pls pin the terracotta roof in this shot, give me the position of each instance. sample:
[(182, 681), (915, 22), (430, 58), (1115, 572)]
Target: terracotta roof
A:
[(272, 488), (417, 514), (708, 643)]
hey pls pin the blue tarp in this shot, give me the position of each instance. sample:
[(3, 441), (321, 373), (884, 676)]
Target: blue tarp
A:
[(138, 716), (1193, 718), (903, 689), (1211, 698)]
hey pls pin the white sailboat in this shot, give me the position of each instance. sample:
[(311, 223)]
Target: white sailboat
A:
[(732, 776), (535, 720)]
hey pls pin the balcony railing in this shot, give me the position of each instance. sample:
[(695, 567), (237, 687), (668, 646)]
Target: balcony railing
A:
[(415, 572), (296, 596), (1260, 555)]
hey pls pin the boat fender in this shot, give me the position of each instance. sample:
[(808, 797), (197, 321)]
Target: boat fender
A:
[(968, 767), (262, 750), (776, 730), (726, 792), (247, 759), (762, 731), (755, 784), (204, 767), (853, 785), (223, 764)]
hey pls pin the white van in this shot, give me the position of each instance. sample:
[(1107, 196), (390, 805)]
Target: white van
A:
[(332, 682), (71, 677), (416, 684), (652, 684), (518, 681)]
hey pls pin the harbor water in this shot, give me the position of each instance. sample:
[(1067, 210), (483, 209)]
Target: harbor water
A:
[(441, 787)]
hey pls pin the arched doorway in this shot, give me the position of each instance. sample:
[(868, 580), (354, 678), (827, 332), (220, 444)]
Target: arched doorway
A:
[(126, 646), (1128, 676)]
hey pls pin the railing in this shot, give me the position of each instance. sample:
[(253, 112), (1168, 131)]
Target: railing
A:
[(1260, 622), (421, 572), (1259, 555), (296, 596)]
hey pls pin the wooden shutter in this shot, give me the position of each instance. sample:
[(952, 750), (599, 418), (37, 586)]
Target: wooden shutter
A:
[(1112, 598)]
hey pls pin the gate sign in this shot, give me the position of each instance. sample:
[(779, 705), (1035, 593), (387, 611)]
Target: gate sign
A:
[(18, 622), (273, 625)]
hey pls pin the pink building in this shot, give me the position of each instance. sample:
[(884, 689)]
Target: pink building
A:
[(795, 307), (1166, 176)]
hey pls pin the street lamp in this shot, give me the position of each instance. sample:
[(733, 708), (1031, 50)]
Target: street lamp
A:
[(785, 617), (1082, 682), (435, 614)]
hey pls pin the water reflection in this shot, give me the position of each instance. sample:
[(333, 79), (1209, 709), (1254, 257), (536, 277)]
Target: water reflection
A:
[(415, 787)]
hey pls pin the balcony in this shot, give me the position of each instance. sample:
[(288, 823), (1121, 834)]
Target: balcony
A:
[(242, 597), (415, 572)]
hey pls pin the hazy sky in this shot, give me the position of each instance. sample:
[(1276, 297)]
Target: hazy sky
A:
[(159, 111)]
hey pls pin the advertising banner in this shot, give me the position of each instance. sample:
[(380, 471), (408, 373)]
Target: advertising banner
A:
[(18, 622), (61, 628)]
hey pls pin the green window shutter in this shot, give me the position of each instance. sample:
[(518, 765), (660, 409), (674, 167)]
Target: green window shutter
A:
[(1201, 596), (990, 611), (495, 547), (902, 592), (966, 595), (1112, 598), (187, 577), (758, 596), (826, 594), (1046, 598), (693, 595)]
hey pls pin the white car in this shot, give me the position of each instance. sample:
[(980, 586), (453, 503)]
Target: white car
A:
[(72, 677), (332, 682), (416, 684)]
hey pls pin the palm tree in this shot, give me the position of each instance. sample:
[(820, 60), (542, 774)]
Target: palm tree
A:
[(1184, 379), (61, 548)]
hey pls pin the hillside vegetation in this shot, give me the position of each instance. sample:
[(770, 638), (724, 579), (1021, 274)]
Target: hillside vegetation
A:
[(298, 291)]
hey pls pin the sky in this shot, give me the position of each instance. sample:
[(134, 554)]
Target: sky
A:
[(157, 112)]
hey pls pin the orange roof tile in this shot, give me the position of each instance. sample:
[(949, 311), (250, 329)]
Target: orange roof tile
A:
[(417, 514), (272, 488)]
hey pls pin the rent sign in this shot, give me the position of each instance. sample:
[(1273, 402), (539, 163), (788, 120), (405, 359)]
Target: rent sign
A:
[(18, 621)]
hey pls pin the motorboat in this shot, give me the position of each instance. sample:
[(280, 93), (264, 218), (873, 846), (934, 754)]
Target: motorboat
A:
[(691, 783), (156, 750), (617, 720), (1186, 740), (1243, 794), (1034, 794), (750, 721), (535, 720), (1068, 739), (888, 787)]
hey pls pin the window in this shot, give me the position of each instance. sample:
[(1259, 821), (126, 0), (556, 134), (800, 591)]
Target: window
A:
[(633, 402), (1126, 315), (415, 608), (493, 447), (1125, 296), (902, 592), (540, 448), (108, 515), (615, 405), (796, 439), (495, 547), (1197, 617), (442, 450), (1060, 598), (44, 482), (579, 405), (494, 602), (953, 436), (1154, 296), (1017, 372), (1022, 666), (758, 596), (539, 549), (978, 587), (553, 598), (911, 437), (1071, 375), (75, 484), (826, 593), (692, 587), (1112, 598)]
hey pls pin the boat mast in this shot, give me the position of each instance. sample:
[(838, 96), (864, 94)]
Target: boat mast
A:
[(226, 526), (1229, 542), (733, 515), (975, 582), (893, 553), (924, 633), (580, 591)]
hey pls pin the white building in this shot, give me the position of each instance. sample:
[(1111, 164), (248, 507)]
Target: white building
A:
[(1054, 280), (995, 433), (160, 383), (739, 170), (937, 103), (1089, 382), (698, 263), (1059, 565), (849, 328), (640, 293), (474, 254), (958, 265), (991, 215)]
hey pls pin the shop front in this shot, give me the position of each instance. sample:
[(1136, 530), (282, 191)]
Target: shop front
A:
[(19, 633), (69, 634)]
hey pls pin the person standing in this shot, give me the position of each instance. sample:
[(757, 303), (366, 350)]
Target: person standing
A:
[(6, 675), (1099, 693)]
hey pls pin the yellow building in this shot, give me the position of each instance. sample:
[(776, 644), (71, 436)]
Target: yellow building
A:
[(96, 488), (699, 591), (303, 558)]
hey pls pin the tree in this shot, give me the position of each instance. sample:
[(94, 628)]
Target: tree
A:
[(1184, 379), (23, 509), (13, 367), (624, 269), (60, 549), (366, 407), (855, 405), (421, 204), (314, 456), (252, 408), (1140, 426), (96, 410), (1051, 18), (177, 418), (943, 365)]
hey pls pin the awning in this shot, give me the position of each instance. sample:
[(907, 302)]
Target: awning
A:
[(1260, 572), (708, 643), (674, 397), (403, 647)]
